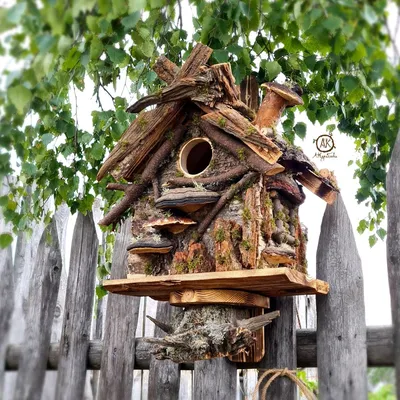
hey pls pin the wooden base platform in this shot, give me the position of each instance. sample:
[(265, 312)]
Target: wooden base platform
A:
[(271, 282), (192, 297)]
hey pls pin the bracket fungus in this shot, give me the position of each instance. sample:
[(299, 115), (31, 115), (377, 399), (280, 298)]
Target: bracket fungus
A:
[(186, 199), (149, 245), (172, 224)]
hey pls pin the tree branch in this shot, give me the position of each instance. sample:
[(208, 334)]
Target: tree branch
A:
[(237, 187), (134, 191), (222, 178), (239, 150)]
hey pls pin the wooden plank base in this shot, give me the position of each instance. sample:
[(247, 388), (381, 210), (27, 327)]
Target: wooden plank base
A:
[(271, 282), (190, 297)]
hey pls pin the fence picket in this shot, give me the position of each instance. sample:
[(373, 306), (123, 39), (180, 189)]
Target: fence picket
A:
[(214, 379), (280, 348), (118, 358), (43, 291), (6, 307), (393, 250), (78, 310), (341, 334), (164, 378)]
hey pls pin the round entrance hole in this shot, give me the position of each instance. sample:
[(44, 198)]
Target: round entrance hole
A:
[(195, 156)]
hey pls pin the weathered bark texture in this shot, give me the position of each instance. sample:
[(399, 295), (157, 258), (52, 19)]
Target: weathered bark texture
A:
[(232, 122), (116, 377), (393, 250), (204, 332), (43, 293), (24, 263), (7, 288), (240, 150), (164, 377), (215, 380), (341, 335), (147, 130), (237, 188), (249, 92), (6, 306), (134, 191), (78, 310), (280, 348)]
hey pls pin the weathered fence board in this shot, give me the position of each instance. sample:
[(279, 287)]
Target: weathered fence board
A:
[(164, 378), (280, 348), (24, 261), (393, 249), (7, 288), (341, 334), (116, 376), (78, 310), (214, 379), (43, 291), (6, 306)]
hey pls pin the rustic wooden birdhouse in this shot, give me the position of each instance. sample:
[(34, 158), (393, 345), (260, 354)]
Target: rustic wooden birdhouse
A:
[(214, 199)]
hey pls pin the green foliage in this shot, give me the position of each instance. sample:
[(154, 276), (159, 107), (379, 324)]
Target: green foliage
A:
[(385, 392), (335, 50), (312, 385)]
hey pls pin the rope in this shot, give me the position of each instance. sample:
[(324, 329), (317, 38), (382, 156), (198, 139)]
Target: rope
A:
[(277, 373)]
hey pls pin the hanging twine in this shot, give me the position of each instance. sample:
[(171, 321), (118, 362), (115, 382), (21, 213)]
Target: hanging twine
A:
[(277, 373)]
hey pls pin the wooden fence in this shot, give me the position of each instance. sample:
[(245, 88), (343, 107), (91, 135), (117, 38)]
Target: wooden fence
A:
[(53, 347)]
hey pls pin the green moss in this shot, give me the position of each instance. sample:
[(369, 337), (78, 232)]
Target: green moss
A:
[(194, 263), (221, 259), (169, 135), (137, 180), (219, 235), (241, 155), (246, 214), (268, 202), (221, 122), (246, 245), (148, 268), (236, 234), (282, 216), (250, 130), (273, 224), (180, 267), (296, 243), (195, 236), (211, 166), (196, 119), (142, 121), (179, 174)]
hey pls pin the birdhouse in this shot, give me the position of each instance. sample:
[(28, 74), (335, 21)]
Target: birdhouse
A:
[(214, 192)]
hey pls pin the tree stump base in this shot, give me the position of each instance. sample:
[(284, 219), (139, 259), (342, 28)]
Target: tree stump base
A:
[(202, 332)]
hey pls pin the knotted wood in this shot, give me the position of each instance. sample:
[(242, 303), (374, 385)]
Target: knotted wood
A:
[(43, 291), (78, 310), (342, 364), (164, 377), (6, 305), (280, 347), (393, 250), (117, 361)]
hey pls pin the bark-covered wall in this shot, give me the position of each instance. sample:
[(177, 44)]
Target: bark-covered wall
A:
[(258, 228)]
